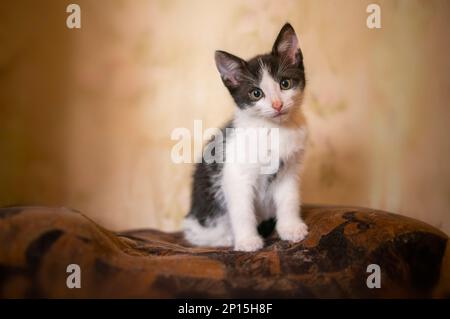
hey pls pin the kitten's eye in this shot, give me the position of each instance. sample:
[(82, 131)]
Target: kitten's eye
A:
[(286, 84), (256, 94)]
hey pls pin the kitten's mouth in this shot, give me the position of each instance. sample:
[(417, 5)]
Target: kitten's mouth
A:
[(279, 114)]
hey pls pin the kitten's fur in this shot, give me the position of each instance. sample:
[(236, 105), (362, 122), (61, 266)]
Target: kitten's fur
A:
[(229, 200)]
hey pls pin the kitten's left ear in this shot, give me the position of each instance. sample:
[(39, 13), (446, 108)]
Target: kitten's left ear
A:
[(286, 45)]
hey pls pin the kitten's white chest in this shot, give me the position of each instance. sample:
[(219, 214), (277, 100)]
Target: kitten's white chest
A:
[(284, 143)]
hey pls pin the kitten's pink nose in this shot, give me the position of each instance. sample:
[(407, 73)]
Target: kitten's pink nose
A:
[(277, 105)]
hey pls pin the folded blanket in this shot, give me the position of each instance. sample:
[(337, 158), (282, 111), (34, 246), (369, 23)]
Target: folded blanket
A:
[(38, 245)]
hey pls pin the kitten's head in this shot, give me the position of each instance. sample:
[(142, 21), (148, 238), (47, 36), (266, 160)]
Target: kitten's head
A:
[(270, 85)]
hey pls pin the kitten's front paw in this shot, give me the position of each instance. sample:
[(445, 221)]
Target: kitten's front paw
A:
[(251, 243), (294, 232)]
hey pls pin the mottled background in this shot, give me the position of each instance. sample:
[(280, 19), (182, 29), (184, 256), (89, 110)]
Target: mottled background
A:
[(86, 115)]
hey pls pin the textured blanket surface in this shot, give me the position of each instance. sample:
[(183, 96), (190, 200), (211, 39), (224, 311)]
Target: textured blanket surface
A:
[(37, 244)]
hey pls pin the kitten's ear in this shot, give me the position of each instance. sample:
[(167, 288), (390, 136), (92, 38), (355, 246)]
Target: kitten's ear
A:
[(286, 45), (231, 67)]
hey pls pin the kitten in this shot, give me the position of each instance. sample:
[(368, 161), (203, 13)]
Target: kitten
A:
[(230, 200)]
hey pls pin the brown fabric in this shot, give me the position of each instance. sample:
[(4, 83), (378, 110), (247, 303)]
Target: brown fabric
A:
[(37, 244)]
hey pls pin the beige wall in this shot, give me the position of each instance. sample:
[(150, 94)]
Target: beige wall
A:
[(86, 115)]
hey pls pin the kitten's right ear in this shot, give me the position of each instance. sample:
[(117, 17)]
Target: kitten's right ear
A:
[(231, 68)]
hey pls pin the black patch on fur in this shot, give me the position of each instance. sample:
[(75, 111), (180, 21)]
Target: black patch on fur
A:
[(204, 203)]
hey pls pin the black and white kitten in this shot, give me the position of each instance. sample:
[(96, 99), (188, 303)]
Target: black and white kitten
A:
[(230, 200)]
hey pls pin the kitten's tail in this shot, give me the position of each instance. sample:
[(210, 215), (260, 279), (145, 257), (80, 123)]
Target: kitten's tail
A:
[(217, 235)]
